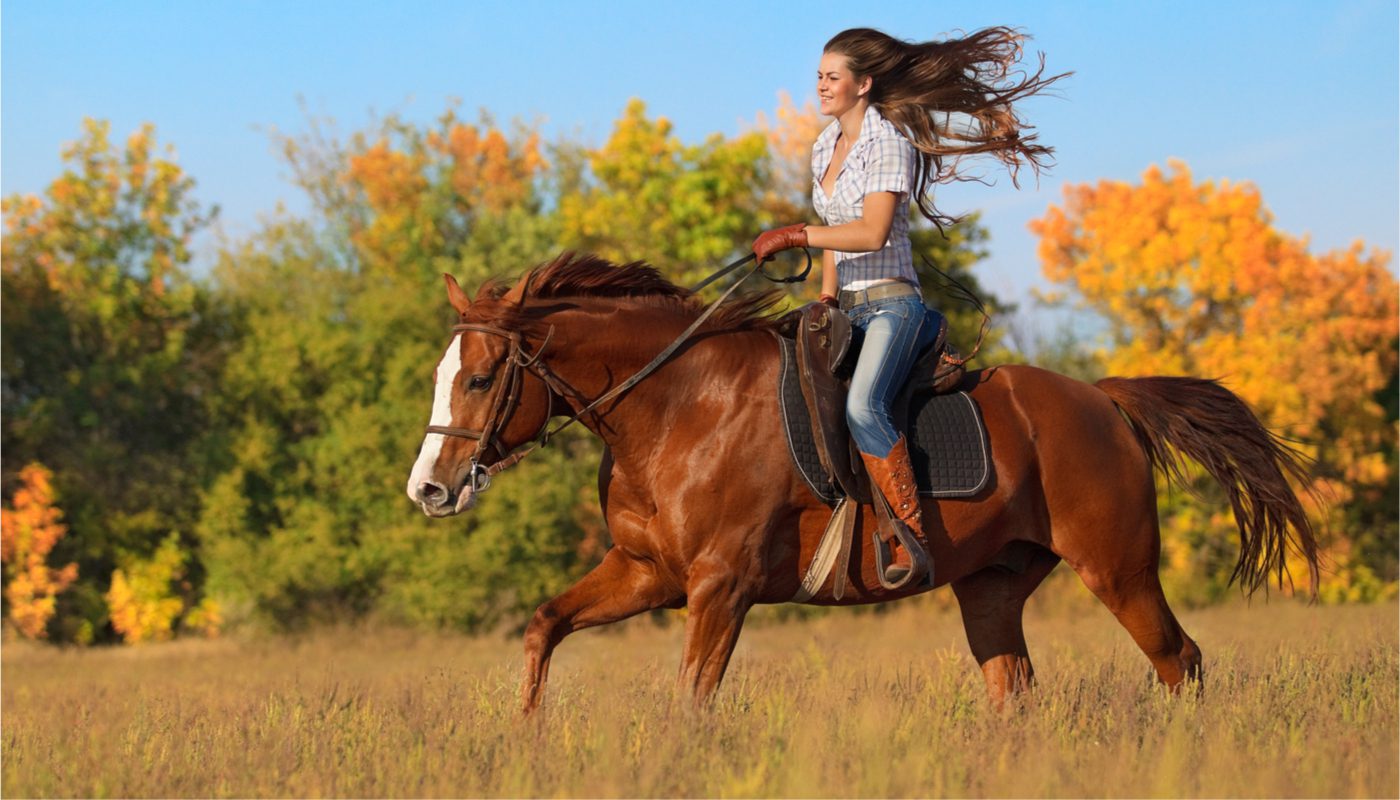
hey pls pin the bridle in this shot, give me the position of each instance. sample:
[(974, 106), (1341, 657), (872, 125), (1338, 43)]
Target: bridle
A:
[(507, 395), (518, 361)]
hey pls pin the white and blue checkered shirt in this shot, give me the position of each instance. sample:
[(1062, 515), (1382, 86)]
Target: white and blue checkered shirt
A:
[(881, 160)]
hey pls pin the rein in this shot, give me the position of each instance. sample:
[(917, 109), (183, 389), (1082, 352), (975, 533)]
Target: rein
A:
[(479, 477)]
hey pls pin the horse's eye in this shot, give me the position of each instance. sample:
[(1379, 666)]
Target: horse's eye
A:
[(479, 383)]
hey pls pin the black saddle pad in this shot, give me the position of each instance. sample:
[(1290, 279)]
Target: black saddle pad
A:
[(947, 439)]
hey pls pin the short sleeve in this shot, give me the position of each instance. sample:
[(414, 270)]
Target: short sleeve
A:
[(891, 165)]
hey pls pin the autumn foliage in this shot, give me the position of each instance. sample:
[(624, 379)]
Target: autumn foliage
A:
[(646, 195), (230, 447), (29, 528), (421, 190), (790, 132), (1193, 278), (141, 599)]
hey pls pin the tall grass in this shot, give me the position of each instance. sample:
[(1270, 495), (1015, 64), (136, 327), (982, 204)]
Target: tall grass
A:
[(1299, 701)]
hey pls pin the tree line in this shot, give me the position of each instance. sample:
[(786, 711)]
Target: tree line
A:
[(184, 453)]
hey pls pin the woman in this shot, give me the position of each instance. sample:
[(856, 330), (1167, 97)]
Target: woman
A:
[(900, 110)]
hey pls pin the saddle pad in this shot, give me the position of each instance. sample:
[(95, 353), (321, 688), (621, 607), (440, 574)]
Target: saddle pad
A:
[(948, 445), (947, 439)]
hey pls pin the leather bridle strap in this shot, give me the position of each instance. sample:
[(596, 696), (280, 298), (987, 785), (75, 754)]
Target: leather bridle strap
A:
[(480, 477), (660, 357), (505, 399)]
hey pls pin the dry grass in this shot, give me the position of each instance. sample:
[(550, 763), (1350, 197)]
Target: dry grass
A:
[(1299, 702)]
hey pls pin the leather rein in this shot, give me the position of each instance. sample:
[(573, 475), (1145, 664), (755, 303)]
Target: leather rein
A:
[(518, 360)]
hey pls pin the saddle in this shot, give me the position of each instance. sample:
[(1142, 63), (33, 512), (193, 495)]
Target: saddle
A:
[(824, 364), (946, 434)]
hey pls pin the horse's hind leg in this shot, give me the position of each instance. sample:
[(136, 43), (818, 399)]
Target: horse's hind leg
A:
[(991, 601), (1132, 591)]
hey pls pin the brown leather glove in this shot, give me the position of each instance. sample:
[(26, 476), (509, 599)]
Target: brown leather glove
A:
[(830, 300), (779, 239)]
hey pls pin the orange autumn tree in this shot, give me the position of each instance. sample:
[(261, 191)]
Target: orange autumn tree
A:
[(1194, 279), (29, 529), (399, 195), (790, 134), (423, 190)]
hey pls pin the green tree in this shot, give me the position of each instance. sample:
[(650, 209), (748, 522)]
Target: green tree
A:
[(955, 253), (109, 353), (645, 195), (341, 319)]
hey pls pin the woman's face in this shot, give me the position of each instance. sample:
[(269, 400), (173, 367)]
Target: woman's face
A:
[(837, 90)]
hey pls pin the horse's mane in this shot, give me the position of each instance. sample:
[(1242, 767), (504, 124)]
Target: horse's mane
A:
[(585, 275)]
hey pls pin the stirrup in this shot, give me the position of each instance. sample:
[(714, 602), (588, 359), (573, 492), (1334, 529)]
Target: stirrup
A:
[(891, 576)]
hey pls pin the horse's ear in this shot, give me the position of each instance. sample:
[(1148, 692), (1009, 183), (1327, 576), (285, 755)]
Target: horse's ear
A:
[(455, 295), (520, 291)]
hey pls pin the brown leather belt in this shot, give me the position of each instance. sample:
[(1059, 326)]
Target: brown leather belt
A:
[(882, 291)]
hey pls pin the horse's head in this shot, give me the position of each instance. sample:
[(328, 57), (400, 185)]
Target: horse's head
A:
[(486, 402)]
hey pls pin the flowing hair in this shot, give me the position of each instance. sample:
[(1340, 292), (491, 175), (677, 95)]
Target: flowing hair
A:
[(921, 86)]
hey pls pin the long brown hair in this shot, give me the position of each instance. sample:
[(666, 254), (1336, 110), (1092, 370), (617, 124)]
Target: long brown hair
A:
[(918, 85)]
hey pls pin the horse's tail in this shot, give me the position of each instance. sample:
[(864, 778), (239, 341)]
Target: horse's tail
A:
[(1209, 424)]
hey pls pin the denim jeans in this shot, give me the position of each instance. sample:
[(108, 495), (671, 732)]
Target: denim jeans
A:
[(892, 332)]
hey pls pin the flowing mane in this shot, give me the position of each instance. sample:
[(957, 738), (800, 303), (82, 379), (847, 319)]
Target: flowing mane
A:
[(584, 275)]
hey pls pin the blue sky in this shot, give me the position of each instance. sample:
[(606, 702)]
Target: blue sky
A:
[(1301, 98)]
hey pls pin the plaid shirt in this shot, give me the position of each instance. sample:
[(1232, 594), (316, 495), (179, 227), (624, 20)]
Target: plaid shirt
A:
[(881, 160)]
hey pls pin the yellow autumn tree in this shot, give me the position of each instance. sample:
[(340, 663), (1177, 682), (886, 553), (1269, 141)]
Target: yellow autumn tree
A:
[(142, 600), (29, 529), (645, 195), (1193, 278)]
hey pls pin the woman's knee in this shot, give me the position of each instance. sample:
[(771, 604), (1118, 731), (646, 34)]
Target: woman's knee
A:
[(861, 412)]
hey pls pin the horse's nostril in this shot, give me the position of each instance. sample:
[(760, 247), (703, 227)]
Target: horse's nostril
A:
[(432, 493)]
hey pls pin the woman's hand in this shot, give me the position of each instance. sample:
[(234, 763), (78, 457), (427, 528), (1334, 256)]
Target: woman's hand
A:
[(779, 239)]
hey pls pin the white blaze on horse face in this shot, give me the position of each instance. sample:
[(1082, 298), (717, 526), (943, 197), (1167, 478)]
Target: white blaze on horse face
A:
[(446, 375)]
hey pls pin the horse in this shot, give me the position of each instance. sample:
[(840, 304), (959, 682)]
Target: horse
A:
[(707, 511)]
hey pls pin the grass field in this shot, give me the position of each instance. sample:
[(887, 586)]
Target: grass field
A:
[(1299, 701)]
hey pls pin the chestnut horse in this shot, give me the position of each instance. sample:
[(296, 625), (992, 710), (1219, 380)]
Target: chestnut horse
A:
[(707, 511)]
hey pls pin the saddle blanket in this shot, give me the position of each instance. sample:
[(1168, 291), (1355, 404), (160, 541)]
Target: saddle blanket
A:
[(947, 439)]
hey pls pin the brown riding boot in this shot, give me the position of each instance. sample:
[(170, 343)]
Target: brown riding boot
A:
[(893, 476)]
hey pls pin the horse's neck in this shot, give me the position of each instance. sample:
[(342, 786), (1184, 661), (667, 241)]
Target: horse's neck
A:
[(601, 348)]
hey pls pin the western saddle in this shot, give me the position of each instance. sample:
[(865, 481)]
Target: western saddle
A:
[(823, 336)]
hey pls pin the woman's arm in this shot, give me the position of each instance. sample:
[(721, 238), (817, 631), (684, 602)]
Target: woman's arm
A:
[(864, 235), (829, 285)]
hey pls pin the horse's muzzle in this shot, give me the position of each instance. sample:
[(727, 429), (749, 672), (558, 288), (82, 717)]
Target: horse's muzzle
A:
[(437, 500)]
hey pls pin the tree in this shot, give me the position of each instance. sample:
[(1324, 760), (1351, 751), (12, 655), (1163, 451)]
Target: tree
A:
[(143, 600), (1193, 278), (28, 532), (645, 195), (341, 318), (109, 353), (790, 135)]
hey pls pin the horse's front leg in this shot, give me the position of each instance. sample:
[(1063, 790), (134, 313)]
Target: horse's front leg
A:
[(618, 588), (716, 602)]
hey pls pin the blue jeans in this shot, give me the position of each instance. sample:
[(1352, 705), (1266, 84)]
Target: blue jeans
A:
[(893, 332)]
